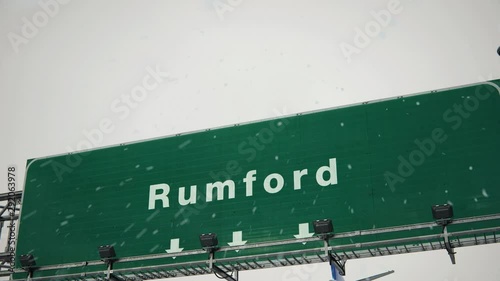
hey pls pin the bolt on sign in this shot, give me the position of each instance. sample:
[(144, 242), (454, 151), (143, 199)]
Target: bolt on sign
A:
[(370, 168)]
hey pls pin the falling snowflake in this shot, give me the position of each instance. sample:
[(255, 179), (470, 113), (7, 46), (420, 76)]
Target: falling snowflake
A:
[(154, 248), (129, 227), (140, 234), (485, 194)]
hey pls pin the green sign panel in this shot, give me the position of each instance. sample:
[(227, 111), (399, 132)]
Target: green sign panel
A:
[(367, 167)]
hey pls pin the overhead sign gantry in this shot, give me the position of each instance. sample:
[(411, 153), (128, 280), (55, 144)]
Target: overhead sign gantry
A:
[(374, 169)]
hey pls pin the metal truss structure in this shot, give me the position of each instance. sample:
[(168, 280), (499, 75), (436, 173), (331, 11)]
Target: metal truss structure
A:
[(9, 215), (228, 268)]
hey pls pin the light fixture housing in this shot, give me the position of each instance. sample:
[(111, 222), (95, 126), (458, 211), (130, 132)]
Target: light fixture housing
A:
[(106, 252), (209, 240), (322, 227), (443, 214), (27, 261)]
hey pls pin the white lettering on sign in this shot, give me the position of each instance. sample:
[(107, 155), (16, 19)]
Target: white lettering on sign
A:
[(163, 196), (248, 180), (273, 183), (220, 189), (279, 183), (332, 170)]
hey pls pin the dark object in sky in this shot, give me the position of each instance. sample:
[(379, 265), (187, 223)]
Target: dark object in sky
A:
[(107, 252), (442, 213), (209, 240), (27, 260), (323, 226)]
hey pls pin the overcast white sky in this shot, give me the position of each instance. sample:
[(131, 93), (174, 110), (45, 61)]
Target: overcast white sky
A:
[(66, 66)]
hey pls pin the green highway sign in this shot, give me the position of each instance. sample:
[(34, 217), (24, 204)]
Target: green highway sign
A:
[(375, 169)]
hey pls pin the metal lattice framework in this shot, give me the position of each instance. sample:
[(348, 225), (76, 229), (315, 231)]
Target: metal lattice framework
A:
[(340, 253), (10, 202), (118, 196)]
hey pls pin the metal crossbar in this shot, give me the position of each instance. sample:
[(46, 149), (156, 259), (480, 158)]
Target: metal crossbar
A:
[(360, 250), (293, 257)]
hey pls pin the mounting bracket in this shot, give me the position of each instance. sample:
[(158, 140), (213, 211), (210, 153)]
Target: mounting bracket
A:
[(335, 261), (30, 275), (219, 272), (30, 271), (447, 245), (109, 268)]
